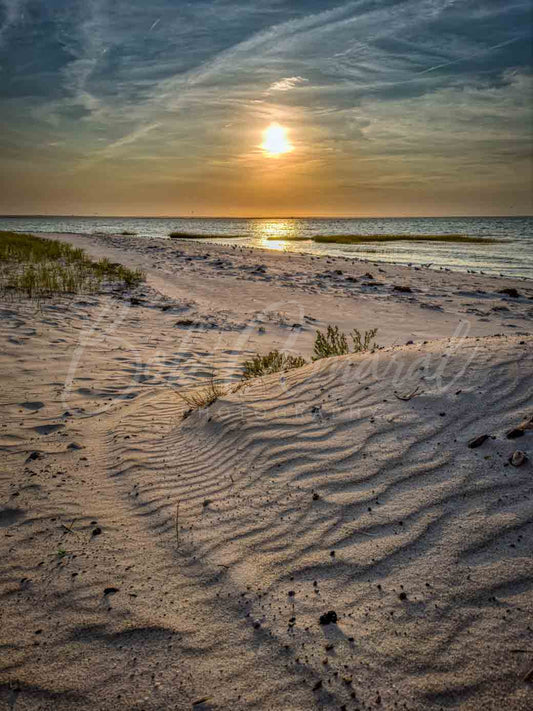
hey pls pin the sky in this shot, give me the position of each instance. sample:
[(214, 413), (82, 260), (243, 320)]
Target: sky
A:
[(391, 107)]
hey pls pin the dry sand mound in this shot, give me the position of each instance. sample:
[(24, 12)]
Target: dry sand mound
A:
[(318, 491), (326, 491)]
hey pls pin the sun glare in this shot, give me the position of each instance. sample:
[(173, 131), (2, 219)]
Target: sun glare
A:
[(275, 141)]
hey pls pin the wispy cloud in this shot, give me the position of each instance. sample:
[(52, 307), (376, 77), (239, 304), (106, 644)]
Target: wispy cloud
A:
[(286, 84)]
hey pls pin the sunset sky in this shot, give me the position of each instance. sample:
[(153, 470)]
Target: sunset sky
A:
[(129, 107)]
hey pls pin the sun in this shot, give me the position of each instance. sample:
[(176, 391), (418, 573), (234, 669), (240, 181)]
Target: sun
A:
[(275, 141)]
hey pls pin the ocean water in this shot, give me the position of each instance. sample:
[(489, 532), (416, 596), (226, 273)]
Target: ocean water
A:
[(511, 256)]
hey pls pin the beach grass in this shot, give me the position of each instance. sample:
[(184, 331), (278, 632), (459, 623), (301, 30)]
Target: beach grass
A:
[(359, 239), (36, 267), (204, 396), (273, 362), (335, 343), (362, 239)]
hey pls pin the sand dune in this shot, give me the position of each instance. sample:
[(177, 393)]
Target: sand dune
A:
[(156, 562)]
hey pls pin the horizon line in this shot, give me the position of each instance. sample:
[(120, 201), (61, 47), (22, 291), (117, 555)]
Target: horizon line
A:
[(258, 217)]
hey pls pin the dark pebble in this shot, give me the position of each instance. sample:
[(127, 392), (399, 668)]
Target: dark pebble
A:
[(515, 433), (328, 618), (477, 441)]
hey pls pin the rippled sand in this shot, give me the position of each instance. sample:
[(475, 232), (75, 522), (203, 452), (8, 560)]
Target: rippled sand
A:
[(155, 562)]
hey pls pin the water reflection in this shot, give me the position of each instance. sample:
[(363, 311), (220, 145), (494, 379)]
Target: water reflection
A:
[(275, 234)]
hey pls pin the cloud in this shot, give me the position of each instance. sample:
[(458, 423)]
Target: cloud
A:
[(97, 79), (286, 84)]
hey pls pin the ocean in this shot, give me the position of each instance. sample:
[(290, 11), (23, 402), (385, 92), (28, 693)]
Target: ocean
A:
[(512, 255)]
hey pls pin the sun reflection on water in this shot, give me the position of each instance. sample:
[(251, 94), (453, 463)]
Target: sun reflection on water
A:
[(275, 234)]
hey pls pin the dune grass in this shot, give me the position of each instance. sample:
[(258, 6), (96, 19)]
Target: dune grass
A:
[(194, 235), (335, 343), (332, 342), (202, 397), (273, 362), (36, 267), (15, 247), (362, 239)]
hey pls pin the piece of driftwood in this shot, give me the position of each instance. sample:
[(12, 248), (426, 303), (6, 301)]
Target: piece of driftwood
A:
[(410, 395)]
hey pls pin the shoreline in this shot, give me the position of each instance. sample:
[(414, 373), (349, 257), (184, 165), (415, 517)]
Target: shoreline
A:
[(513, 241), (477, 298), (259, 248)]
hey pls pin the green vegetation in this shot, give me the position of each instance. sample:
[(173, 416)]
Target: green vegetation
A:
[(273, 362), (364, 342), (15, 247), (335, 343), (35, 267), (192, 235), (362, 239)]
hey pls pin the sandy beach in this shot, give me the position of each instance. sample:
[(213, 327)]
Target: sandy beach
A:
[(152, 561)]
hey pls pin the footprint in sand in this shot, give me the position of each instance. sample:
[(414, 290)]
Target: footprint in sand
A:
[(9, 516), (47, 429), (34, 406)]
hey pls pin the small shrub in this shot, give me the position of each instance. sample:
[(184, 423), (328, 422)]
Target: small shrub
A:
[(273, 362), (332, 343), (335, 343), (365, 342)]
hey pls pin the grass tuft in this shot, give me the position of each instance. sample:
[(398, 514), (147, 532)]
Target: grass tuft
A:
[(273, 362), (363, 342), (329, 344), (204, 396), (335, 342)]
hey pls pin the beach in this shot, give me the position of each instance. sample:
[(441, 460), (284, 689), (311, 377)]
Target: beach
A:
[(161, 558)]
